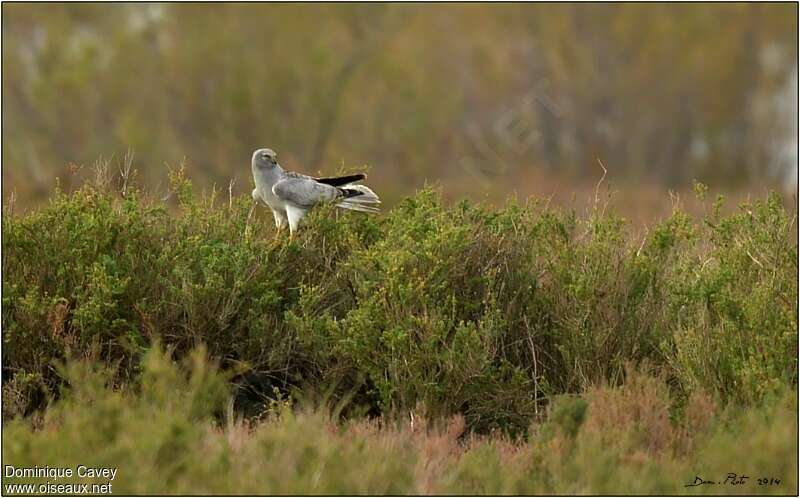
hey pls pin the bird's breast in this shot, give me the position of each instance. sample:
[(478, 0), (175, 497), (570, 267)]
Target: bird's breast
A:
[(269, 198)]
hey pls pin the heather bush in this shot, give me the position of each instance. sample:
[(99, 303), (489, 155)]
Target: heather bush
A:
[(734, 304), (457, 309)]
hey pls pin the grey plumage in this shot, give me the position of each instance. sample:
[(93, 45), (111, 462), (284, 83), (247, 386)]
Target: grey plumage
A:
[(291, 195)]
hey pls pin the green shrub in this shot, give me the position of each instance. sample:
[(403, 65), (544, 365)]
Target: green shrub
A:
[(453, 310), (735, 305)]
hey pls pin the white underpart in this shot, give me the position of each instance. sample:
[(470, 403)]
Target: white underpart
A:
[(295, 214), (277, 206)]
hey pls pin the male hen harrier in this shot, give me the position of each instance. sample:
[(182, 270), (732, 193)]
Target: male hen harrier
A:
[(291, 195)]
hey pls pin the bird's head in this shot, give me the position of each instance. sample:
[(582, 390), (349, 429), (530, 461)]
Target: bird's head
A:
[(264, 159)]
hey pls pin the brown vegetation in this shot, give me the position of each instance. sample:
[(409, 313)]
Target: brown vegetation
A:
[(484, 99)]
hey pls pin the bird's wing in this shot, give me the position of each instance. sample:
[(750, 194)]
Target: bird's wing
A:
[(338, 181), (304, 191)]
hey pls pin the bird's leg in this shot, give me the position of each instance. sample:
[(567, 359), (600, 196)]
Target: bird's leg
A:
[(280, 222)]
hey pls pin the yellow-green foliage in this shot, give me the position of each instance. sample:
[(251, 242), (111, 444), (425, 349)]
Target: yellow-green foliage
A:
[(462, 310), (171, 433)]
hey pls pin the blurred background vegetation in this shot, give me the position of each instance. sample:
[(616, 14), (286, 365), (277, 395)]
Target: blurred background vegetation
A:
[(483, 99)]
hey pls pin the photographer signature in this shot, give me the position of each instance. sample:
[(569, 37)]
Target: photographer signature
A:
[(733, 479)]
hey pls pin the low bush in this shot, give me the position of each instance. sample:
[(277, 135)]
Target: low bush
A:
[(174, 433), (460, 310)]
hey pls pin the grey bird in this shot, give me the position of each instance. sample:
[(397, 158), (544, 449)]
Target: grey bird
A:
[(291, 195)]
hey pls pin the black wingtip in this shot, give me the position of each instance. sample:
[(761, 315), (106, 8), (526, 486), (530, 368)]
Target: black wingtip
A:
[(342, 180), (349, 192)]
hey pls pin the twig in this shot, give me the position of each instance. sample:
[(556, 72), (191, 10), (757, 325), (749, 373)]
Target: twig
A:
[(247, 222), (125, 171), (754, 259), (597, 188), (11, 200), (535, 366), (644, 238), (101, 176)]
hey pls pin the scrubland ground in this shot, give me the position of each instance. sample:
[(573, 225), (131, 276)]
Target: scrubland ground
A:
[(433, 349)]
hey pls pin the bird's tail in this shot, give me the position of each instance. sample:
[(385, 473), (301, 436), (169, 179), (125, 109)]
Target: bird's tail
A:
[(359, 198)]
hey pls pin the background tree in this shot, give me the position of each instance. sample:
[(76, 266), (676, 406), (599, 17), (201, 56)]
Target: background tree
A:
[(483, 98)]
